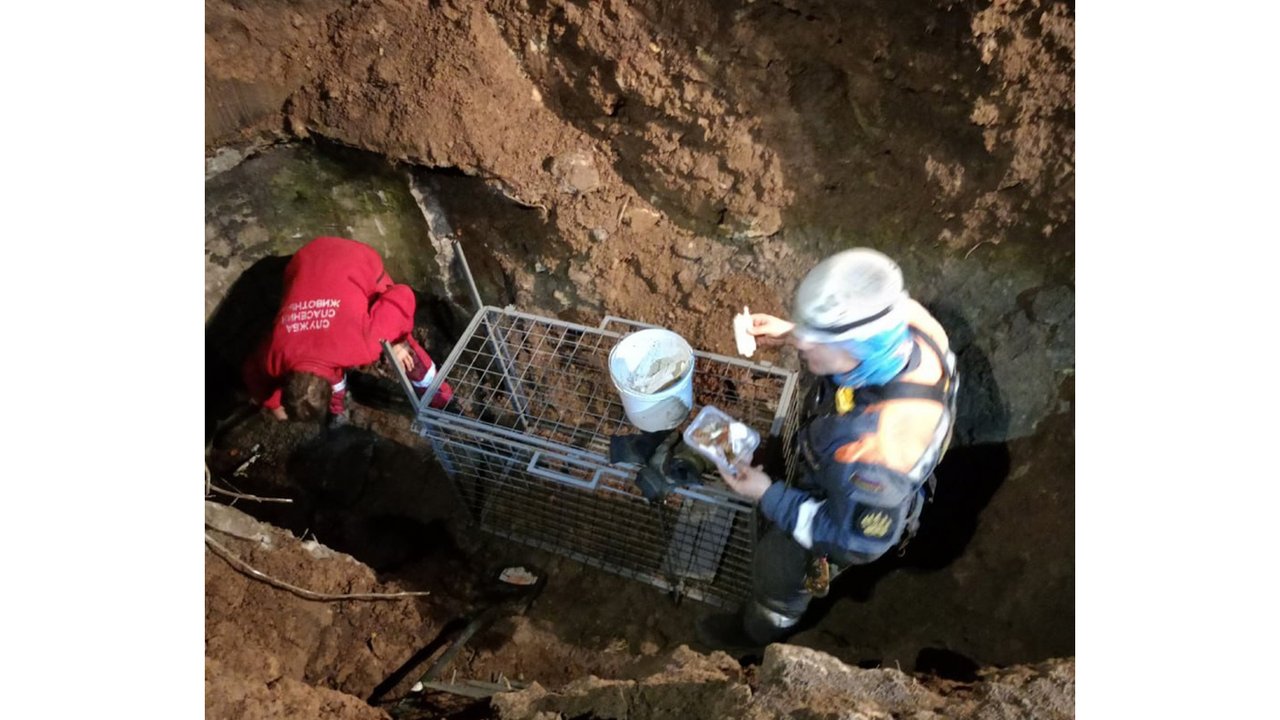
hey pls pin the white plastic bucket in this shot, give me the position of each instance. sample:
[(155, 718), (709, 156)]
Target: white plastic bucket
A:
[(668, 406)]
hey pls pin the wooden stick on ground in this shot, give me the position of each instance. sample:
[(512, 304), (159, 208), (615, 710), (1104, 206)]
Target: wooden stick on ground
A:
[(244, 567)]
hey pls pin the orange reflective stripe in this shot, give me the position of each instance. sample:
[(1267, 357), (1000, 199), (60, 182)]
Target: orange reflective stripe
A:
[(906, 426), (848, 452), (867, 449)]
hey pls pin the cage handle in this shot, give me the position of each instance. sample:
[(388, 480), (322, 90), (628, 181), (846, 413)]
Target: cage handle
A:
[(560, 477), (623, 321)]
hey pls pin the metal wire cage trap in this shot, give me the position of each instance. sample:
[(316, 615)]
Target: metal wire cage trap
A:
[(529, 453)]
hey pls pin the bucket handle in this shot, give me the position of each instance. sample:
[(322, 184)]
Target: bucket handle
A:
[(623, 321), (560, 477)]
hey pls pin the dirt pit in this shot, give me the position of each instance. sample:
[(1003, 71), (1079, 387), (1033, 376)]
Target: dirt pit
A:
[(388, 504), (665, 164), (373, 490), (275, 654)]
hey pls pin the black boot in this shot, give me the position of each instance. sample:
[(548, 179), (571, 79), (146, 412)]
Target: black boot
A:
[(760, 625)]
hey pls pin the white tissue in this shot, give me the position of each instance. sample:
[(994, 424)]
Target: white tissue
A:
[(746, 341)]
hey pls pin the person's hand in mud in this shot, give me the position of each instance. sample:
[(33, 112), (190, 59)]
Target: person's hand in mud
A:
[(749, 482), (769, 330), (403, 355)]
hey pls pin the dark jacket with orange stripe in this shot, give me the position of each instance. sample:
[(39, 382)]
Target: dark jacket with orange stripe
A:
[(868, 452)]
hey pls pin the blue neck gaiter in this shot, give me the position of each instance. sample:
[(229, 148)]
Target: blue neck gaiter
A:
[(881, 357)]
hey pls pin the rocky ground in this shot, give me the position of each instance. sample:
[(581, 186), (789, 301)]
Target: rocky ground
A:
[(272, 653)]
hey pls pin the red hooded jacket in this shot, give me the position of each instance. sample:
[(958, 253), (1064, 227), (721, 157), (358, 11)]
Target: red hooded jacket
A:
[(338, 306)]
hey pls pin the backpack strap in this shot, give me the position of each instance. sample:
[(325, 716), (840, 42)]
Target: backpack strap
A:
[(899, 390)]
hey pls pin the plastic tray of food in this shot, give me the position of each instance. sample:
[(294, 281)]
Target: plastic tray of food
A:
[(719, 437)]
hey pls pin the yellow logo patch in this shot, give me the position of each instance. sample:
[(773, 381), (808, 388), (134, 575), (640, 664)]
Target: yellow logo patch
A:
[(844, 400), (875, 524)]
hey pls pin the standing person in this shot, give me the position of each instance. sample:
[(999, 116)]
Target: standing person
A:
[(876, 426), (338, 307)]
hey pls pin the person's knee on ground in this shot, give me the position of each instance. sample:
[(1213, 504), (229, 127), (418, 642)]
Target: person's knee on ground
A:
[(306, 397)]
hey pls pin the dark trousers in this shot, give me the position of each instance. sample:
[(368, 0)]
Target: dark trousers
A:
[(781, 564)]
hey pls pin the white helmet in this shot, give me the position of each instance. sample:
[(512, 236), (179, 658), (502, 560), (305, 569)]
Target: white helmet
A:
[(852, 295)]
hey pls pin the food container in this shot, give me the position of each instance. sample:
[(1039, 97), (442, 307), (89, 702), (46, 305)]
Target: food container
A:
[(719, 437)]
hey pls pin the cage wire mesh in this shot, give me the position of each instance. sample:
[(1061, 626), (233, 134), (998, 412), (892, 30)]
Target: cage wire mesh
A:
[(529, 453)]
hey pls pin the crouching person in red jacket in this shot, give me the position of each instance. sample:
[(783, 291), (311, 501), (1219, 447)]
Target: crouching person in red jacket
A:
[(339, 305)]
